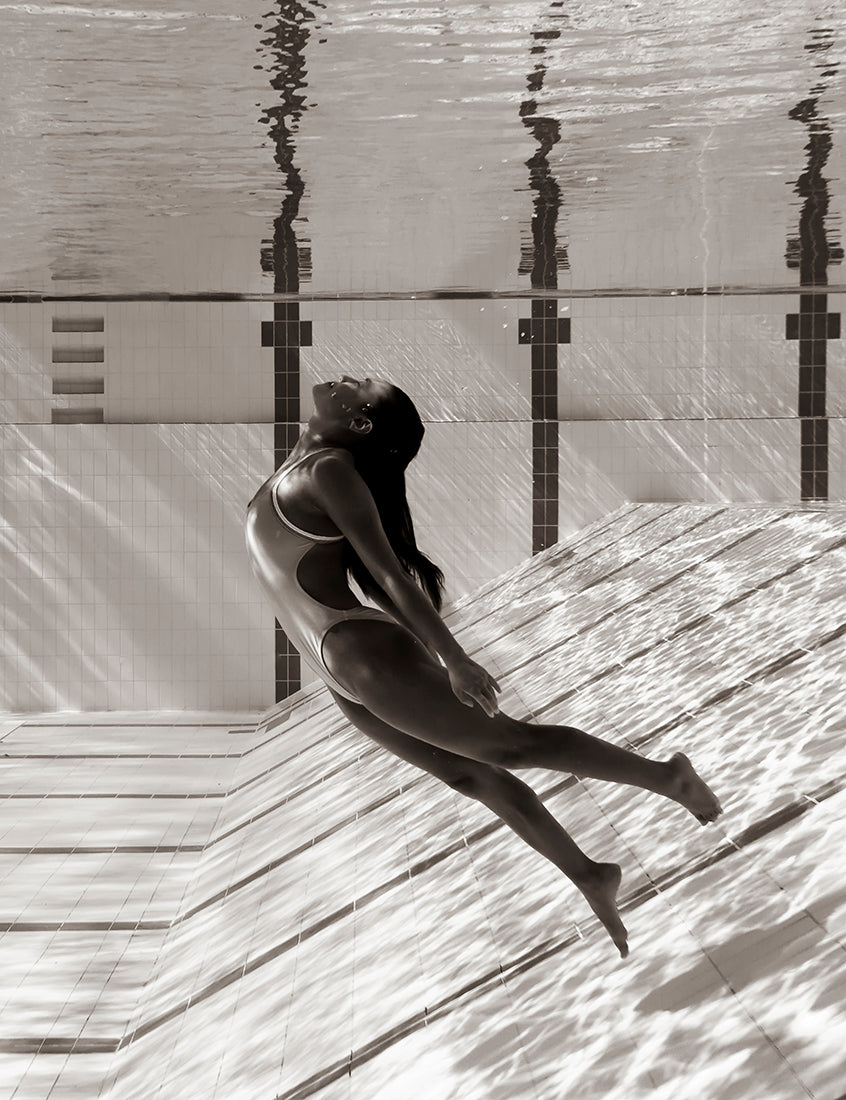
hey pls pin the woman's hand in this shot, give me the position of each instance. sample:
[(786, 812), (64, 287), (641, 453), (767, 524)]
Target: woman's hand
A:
[(471, 683)]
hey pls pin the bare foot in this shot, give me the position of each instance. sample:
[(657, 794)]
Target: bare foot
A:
[(600, 891), (691, 791)]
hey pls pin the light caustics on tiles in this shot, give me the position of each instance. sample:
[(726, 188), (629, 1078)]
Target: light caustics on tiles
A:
[(662, 559)]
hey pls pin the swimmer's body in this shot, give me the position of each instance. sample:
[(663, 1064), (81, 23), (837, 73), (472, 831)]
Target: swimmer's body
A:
[(400, 676)]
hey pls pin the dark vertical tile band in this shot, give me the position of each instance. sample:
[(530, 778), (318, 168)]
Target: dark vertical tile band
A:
[(287, 259), (813, 326), (811, 252), (544, 330)]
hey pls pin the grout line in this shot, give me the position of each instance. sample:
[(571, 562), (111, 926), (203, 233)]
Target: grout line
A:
[(39, 722), (57, 1045)]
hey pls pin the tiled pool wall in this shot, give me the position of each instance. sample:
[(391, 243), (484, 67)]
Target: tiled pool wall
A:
[(127, 582)]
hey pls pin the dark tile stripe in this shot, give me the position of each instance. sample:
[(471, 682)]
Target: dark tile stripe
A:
[(566, 549), (774, 666), (359, 754), (82, 850), (277, 733), (122, 755), (57, 1045), (146, 795), (85, 926), (619, 608), (42, 723)]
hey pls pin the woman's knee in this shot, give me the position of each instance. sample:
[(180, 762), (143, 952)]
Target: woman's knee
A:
[(491, 785), (498, 744)]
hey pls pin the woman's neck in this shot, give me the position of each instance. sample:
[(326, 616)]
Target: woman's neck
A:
[(309, 442)]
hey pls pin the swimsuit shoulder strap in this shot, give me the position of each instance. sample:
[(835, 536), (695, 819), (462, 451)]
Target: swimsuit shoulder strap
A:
[(294, 465), (298, 530)]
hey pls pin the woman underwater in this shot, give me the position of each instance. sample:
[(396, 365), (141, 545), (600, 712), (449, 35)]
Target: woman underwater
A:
[(337, 506)]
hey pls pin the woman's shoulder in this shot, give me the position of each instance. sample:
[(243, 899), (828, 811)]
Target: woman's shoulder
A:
[(334, 480), (305, 464), (330, 454), (326, 461)]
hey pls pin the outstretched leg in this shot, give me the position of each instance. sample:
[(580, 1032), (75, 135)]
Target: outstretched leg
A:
[(512, 801), (398, 681)]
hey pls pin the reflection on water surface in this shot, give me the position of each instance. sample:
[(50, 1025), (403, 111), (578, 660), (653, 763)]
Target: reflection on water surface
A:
[(149, 150)]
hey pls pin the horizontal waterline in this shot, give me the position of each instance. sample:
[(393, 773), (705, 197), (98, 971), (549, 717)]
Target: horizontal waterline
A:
[(427, 295)]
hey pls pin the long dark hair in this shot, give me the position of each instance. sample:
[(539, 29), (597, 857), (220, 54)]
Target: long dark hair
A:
[(381, 459)]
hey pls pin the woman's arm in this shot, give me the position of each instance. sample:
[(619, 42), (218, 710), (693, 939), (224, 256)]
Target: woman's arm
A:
[(349, 503), (341, 490)]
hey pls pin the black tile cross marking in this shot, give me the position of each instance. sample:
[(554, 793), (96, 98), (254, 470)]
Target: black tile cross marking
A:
[(544, 330), (813, 326), (286, 334), (288, 259), (812, 251)]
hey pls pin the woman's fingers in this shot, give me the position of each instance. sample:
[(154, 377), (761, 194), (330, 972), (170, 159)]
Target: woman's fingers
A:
[(486, 702), (486, 697), (479, 687)]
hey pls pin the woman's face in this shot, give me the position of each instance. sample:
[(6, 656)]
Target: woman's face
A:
[(348, 398)]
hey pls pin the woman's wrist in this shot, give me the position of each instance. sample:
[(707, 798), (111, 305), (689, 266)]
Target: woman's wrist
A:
[(452, 654)]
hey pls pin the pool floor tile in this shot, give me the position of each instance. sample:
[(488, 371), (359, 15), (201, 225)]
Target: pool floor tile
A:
[(342, 926)]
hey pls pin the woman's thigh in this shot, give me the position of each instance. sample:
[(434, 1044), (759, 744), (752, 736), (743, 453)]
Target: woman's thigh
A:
[(398, 681), (452, 769)]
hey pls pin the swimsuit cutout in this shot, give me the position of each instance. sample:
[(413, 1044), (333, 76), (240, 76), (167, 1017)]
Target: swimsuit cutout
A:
[(275, 552)]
